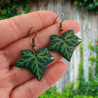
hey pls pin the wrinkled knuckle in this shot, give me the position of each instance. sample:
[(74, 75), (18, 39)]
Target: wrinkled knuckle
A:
[(15, 26), (3, 57), (12, 78), (29, 93), (41, 19), (48, 79)]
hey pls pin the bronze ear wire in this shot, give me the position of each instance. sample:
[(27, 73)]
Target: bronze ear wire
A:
[(33, 39), (61, 28)]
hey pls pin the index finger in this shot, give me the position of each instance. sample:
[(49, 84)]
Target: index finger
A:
[(17, 27)]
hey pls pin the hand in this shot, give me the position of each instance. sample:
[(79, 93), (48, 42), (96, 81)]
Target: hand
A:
[(19, 82)]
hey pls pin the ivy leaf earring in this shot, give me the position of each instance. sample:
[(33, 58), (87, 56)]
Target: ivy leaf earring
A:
[(64, 43), (35, 62)]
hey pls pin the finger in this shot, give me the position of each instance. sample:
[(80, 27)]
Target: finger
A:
[(76, 47), (17, 27), (34, 88), (13, 52)]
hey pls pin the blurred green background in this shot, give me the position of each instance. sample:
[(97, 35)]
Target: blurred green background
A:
[(8, 8)]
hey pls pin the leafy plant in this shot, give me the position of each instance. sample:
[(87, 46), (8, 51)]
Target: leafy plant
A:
[(26, 9), (8, 8), (91, 5), (94, 59)]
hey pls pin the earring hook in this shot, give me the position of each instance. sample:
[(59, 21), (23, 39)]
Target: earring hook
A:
[(31, 29), (63, 17), (33, 39), (61, 28), (57, 17)]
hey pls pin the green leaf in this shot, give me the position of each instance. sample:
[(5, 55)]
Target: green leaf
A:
[(36, 64), (64, 45), (4, 12)]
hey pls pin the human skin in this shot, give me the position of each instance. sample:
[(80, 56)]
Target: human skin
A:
[(19, 82)]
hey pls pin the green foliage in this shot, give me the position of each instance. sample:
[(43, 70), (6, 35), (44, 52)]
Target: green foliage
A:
[(8, 12), (68, 92), (81, 89), (51, 93), (90, 73), (83, 96), (9, 7), (91, 5), (26, 9), (92, 58)]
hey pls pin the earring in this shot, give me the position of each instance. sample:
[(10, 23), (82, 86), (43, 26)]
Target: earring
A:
[(64, 43), (35, 62)]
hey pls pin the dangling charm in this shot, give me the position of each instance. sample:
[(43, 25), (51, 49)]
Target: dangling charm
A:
[(35, 62), (64, 43)]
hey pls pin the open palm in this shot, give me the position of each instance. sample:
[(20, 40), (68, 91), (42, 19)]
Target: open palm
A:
[(19, 82)]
